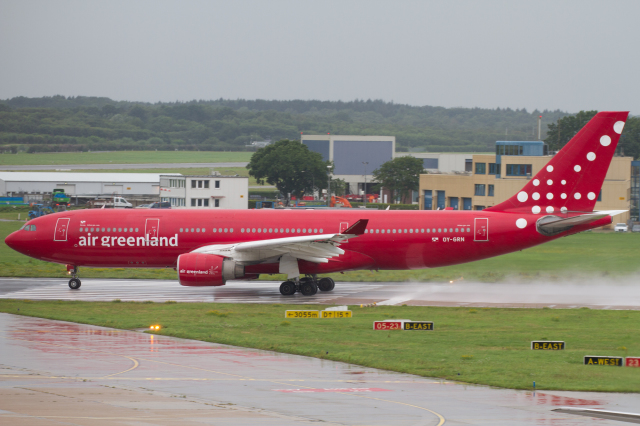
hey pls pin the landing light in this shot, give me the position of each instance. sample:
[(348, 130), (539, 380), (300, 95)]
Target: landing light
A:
[(154, 327)]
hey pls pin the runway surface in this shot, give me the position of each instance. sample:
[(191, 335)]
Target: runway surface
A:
[(54, 372), (121, 166), (597, 294)]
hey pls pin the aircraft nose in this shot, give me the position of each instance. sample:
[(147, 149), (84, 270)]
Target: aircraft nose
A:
[(16, 241)]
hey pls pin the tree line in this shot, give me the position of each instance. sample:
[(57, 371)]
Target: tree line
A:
[(61, 123)]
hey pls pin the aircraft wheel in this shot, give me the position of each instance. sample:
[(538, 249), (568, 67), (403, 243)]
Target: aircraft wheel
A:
[(309, 288), (287, 288), (326, 284), (74, 283)]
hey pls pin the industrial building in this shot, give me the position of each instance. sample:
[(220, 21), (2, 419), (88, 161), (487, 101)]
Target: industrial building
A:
[(205, 192), (354, 157), (33, 185), (495, 178)]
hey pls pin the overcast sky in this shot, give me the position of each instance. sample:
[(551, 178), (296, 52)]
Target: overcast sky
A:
[(568, 55)]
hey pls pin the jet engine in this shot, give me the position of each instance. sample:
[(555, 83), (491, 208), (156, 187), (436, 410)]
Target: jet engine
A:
[(198, 269)]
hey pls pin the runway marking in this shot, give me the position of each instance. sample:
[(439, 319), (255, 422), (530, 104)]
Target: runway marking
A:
[(440, 417), (136, 364)]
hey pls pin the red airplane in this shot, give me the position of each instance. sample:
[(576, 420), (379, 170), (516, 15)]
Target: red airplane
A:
[(207, 248)]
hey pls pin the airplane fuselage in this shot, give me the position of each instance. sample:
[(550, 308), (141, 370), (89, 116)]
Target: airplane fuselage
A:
[(393, 239)]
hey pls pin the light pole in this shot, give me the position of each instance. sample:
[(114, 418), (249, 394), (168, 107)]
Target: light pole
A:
[(365, 183), (329, 186)]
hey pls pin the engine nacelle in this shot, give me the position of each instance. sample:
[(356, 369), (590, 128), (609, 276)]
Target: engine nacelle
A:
[(198, 269)]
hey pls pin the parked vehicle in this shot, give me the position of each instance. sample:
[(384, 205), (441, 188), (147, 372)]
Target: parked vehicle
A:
[(144, 206), (635, 228), (160, 205), (110, 203), (621, 227), (38, 210), (59, 198)]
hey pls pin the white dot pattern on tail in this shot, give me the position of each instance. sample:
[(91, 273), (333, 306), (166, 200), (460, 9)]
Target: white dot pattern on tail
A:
[(549, 196), (549, 182), (563, 196), (535, 209), (577, 168), (591, 196), (605, 140), (591, 156), (618, 127), (522, 196), (549, 209), (521, 223), (577, 195), (536, 182), (549, 169), (535, 196)]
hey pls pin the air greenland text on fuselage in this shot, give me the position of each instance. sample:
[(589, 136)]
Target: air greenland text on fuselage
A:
[(144, 241)]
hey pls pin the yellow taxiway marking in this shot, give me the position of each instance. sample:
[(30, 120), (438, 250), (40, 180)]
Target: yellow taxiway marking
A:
[(135, 362), (440, 417)]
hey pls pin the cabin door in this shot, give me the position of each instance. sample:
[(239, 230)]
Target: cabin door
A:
[(481, 228), (62, 227), (152, 229)]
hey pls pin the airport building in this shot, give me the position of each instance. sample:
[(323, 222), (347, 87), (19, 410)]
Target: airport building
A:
[(205, 192), (33, 185), (495, 178), (354, 157)]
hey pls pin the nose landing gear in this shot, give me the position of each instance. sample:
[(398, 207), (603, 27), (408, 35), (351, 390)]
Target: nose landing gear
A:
[(308, 286), (74, 283)]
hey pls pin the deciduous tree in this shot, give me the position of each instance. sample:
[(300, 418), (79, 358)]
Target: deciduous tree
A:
[(400, 175), (290, 167)]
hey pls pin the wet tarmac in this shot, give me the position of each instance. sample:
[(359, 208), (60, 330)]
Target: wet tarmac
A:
[(54, 372), (597, 294)]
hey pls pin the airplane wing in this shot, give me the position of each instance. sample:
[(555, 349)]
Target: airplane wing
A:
[(313, 248), (554, 224)]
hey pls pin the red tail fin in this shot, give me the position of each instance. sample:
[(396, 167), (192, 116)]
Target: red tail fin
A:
[(572, 179)]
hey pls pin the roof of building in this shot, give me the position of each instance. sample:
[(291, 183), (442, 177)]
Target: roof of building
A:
[(83, 177), (210, 176)]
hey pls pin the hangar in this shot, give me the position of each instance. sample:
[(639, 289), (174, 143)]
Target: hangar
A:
[(32, 185)]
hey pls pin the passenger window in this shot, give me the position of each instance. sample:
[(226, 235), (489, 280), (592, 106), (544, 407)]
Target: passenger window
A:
[(281, 230), (193, 230), (298, 230), (445, 229), (321, 230), (231, 230), (241, 230), (197, 229), (225, 229), (136, 229), (411, 231), (130, 229), (264, 230), (181, 229), (468, 229), (108, 229), (215, 230), (428, 230), (219, 229), (259, 230), (405, 231), (91, 229), (125, 229), (456, 229), (270, 230), (377, 231), (275, 230), (394, 231), (253, 230), (119, 229), (439, 229), (304, 231)]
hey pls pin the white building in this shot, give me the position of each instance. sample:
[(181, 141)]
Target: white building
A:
[(205, 192), (443, 162), (88, 185)]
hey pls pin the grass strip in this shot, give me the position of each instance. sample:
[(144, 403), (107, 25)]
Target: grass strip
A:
[(481, 345)]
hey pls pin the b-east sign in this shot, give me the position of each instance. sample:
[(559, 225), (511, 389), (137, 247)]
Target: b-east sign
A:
[(547, 345), (418, 325), (617, 361)]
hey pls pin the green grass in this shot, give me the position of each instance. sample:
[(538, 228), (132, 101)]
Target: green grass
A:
[(585, 255), (123, 157), (484, 346)]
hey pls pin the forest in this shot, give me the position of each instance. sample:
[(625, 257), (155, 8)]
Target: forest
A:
[(63, 124)]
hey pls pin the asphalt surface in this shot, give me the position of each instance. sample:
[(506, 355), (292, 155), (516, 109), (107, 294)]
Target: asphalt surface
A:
[(616, 293), (120, 166), (54, 373)]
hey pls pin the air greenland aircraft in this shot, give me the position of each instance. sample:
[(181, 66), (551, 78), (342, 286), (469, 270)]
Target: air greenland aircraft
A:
[(207, 247)]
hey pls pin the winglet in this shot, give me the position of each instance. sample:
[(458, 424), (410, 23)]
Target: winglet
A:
[(357, 228)]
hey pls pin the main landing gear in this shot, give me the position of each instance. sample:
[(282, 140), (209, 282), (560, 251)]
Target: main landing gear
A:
[(74, 283), (308, 286)]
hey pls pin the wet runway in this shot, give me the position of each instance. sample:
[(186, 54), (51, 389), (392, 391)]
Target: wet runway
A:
[(54, 372), (597, 294)]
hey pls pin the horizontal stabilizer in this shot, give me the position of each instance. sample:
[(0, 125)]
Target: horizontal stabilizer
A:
[(551, 225)]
